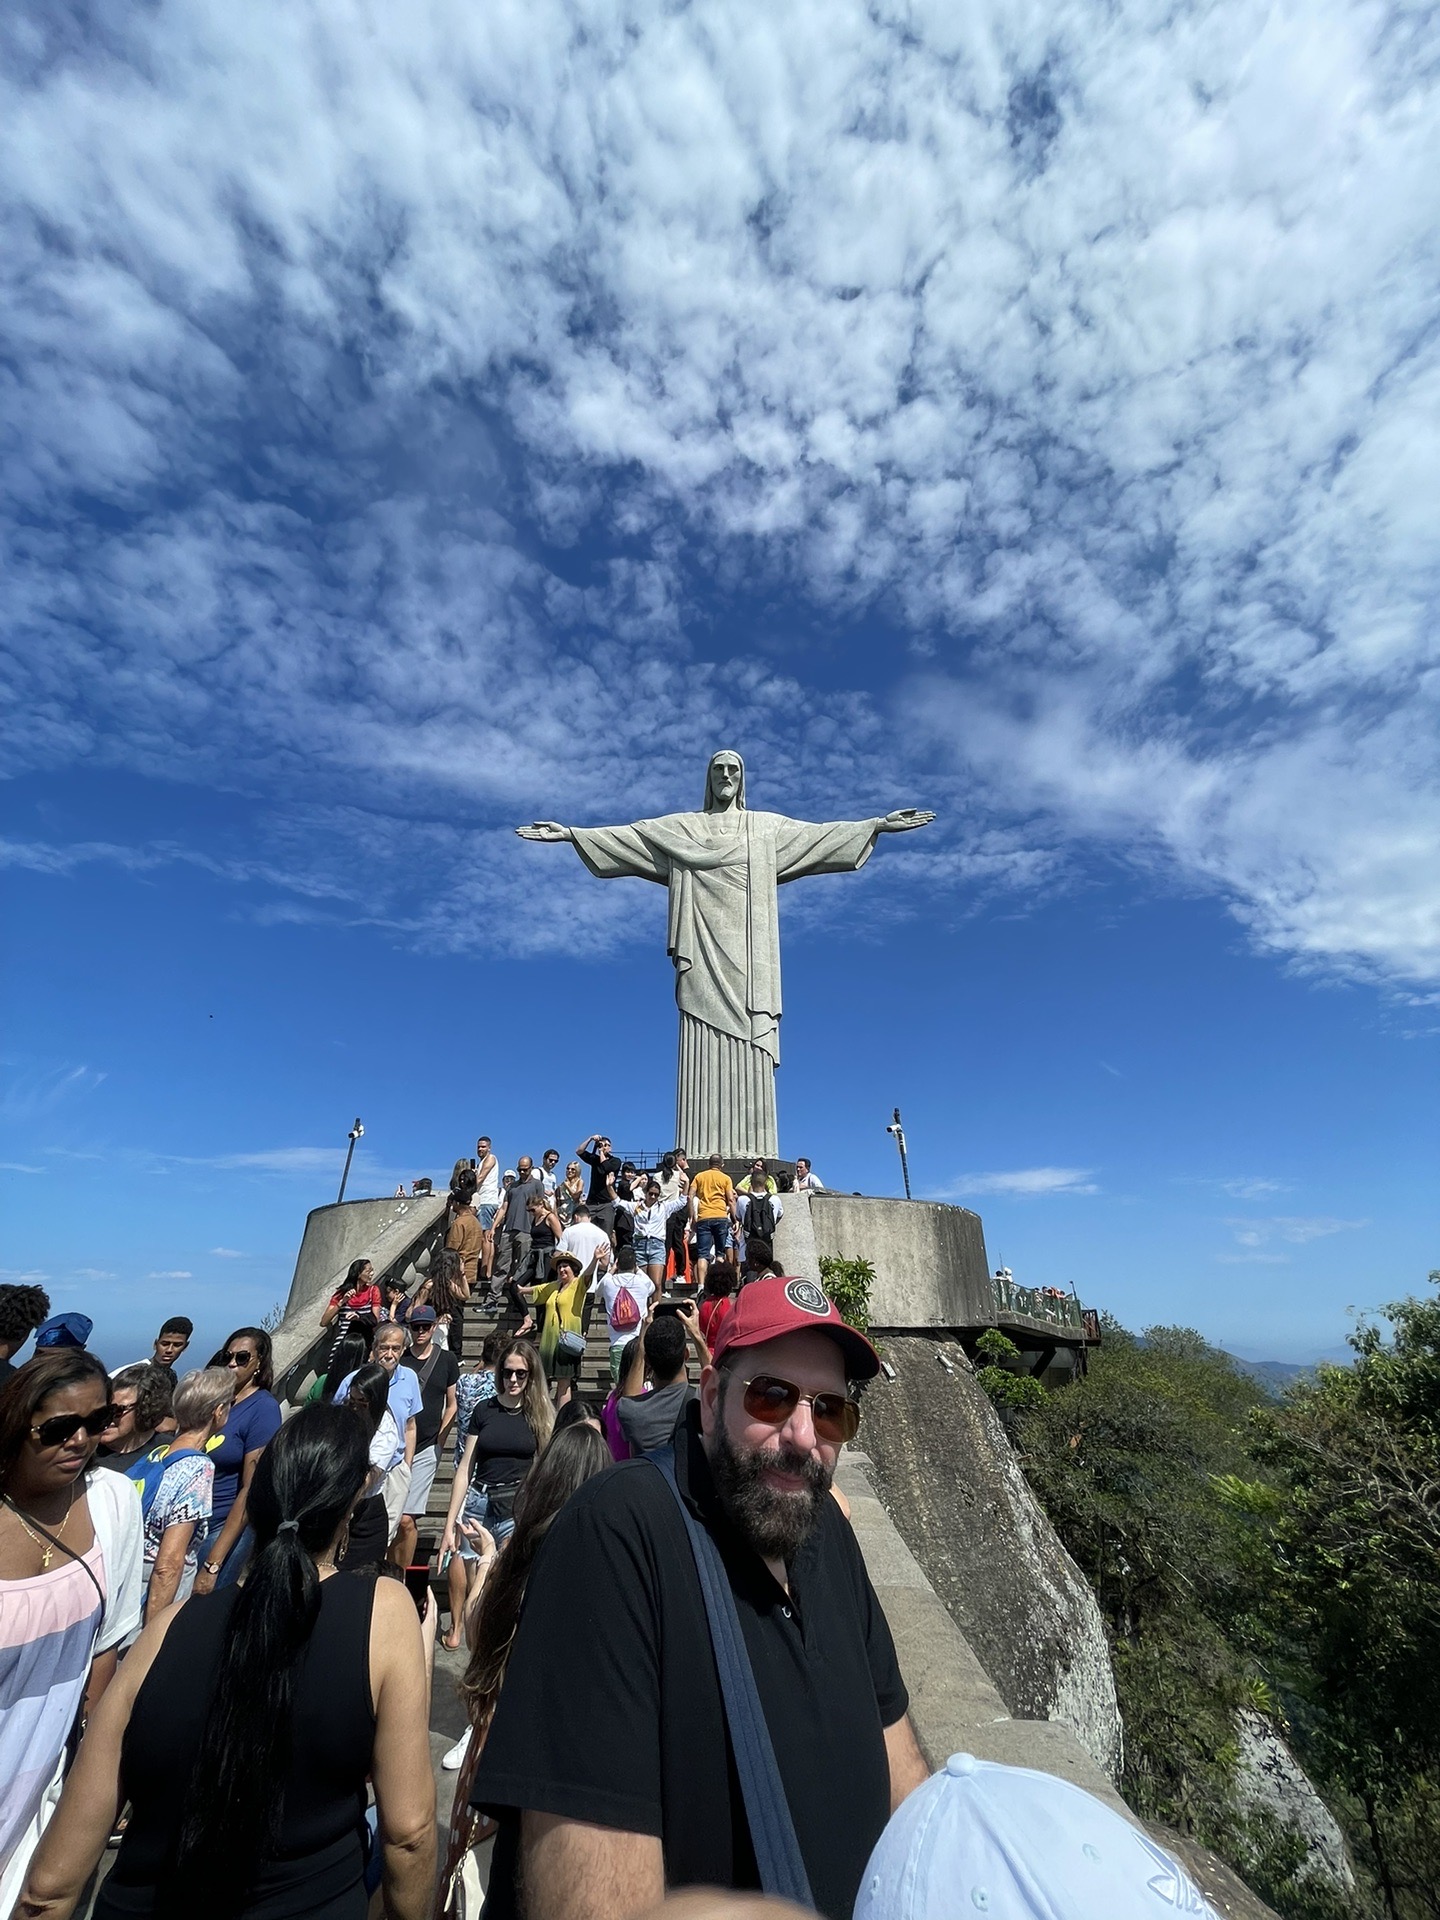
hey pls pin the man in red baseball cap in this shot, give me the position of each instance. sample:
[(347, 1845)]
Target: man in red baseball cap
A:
[(754, 1459)]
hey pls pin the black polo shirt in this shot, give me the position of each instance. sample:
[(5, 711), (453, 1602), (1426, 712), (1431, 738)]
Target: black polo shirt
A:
[(613, 1639)]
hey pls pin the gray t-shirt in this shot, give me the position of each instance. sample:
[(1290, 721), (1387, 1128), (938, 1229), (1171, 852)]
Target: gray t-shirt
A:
[(649, 1420), (516, 1218)]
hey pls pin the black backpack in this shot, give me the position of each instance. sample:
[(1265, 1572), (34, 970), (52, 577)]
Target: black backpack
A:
[(760, 1217)]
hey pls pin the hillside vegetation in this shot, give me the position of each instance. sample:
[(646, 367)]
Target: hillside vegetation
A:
[(1277, 1555)]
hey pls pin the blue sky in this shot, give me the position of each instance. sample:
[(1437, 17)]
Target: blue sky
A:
[(415, 427)]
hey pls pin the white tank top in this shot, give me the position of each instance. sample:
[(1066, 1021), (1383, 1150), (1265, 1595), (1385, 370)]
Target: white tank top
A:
[(488, 1191)]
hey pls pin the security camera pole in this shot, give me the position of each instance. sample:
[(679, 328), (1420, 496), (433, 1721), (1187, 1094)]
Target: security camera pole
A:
[(355, 1133), (899, 1133)]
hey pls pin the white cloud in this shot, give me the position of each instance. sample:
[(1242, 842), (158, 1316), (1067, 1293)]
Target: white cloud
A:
[(93, 1273), (175, 1273), (1094, 351), (1297, 1230), (1256, 1189), (18, 1166), (1025, 1182), (276, 1160), (37, 1090), (227, 1253)]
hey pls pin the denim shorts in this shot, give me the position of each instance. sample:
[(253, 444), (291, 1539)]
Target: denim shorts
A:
[(476, 1507), (485, 1214), (712, 1238), (649, 1253)]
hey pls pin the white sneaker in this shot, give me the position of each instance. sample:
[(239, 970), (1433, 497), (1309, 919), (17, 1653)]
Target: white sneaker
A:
[(455, 1758)]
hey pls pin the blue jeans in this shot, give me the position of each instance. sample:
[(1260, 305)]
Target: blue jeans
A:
[(649, 1253), (477, 1507), (712, 1238)]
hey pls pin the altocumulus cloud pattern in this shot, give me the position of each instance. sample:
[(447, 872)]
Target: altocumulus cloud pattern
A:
[(1095, 348)]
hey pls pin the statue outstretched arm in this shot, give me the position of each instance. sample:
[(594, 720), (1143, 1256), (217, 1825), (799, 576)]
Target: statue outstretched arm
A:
[(611, 853), (903, 819)]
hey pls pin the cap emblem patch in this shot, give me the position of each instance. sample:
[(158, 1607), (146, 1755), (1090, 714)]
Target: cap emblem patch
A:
[(805, 1295)]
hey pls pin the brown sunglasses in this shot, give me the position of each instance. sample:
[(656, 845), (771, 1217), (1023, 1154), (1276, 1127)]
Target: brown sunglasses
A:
[(836, 1417)]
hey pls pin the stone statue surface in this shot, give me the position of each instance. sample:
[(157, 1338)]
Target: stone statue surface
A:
[(723, 866)]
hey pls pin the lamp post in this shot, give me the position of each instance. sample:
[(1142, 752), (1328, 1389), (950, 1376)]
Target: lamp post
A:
[(899, 1133), (355, 1133)]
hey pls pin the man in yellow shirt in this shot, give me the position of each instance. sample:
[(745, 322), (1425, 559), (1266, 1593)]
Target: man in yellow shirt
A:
[(712, 1211)]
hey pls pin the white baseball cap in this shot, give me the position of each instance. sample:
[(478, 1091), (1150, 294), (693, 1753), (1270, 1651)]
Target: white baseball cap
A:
[(980, 1838)]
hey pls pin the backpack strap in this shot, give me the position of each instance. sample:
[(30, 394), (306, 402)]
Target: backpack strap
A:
[(772, 1831)]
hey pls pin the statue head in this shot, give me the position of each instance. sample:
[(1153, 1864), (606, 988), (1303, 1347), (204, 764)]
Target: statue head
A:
[(724, 781)]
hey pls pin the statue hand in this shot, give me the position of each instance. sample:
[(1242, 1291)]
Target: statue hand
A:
[(544, 830), (904, 818)]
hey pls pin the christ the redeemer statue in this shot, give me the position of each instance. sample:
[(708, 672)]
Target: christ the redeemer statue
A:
[(722, 867)]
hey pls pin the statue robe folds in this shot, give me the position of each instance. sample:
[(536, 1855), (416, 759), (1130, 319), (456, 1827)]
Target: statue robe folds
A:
[(724, 938)]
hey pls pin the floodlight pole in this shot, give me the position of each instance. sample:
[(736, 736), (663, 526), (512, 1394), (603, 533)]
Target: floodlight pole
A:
[(355, 1133), (899, 1133)]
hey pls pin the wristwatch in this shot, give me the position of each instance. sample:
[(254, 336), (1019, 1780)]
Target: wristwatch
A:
[(212, 1567)]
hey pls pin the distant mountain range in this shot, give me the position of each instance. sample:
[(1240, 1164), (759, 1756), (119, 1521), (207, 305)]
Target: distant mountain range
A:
[(1273, 1375)]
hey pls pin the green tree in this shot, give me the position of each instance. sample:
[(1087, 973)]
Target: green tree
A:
[(1002, 1377), (1355, 1564)]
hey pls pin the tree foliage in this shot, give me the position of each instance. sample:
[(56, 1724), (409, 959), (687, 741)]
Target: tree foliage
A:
[(1278, 1556), (848, 1283), (1011, 1389), (1355, 1570)]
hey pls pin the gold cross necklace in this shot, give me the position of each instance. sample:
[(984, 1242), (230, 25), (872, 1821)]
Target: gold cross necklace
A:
[(46, 1545)]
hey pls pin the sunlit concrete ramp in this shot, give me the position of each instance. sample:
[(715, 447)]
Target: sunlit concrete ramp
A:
[(397, 1236)]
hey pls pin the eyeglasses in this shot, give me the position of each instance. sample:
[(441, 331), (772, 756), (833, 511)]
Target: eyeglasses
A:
[(514, 1373), (772, 1401), (241, 1357), (61, 1427), (119, 1409)]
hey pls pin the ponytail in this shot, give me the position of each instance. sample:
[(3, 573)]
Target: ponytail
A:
[(305, 1483)]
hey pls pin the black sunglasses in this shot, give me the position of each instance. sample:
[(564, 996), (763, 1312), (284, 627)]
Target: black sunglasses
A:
[(241, 1357), (61, 1427), (514, 1373), (836, 1418)]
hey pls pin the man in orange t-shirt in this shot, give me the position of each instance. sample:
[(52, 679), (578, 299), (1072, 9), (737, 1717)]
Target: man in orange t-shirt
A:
[(713, 1212)]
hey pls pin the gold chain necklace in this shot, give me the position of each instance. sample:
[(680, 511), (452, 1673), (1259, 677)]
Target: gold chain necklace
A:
[(46, 1546)]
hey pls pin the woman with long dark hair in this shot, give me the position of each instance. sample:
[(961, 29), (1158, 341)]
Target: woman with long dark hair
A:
[(249, 1721), (505, 1435), (367, 1400), (71, 1586), (350, 1351), (253, 1421), (449, 1293), (573, 1456)]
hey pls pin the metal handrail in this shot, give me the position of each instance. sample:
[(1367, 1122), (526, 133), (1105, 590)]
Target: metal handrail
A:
[(1036, 1303)]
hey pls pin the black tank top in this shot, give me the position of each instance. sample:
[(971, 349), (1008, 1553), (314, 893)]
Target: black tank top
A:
[(322, 1854)]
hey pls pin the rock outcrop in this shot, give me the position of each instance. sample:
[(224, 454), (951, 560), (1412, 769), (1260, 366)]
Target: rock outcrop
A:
[(949, 1479), (1269, 1779)]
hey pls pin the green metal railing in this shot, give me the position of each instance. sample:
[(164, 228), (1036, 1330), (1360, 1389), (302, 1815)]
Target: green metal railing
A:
[(1036, 1303)]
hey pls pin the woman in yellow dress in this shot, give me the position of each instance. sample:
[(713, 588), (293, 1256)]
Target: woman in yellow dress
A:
[(561, 1304)]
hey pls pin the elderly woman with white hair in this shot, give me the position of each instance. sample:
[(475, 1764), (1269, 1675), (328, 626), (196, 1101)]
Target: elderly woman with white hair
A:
[(176, 1481)]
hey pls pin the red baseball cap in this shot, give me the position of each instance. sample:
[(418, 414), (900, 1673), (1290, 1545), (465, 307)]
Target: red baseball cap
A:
[(781, 1304)]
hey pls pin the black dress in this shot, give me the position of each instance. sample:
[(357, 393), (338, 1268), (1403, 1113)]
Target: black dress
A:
[(320, 1866)]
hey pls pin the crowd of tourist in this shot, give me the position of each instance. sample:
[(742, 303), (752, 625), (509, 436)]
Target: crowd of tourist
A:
[(678, 1673)]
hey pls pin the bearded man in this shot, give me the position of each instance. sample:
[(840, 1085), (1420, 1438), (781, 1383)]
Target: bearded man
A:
[(608, 1762)]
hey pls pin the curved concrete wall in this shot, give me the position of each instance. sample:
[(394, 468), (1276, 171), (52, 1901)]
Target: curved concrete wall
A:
[(380, 1230), (929, 1259)]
